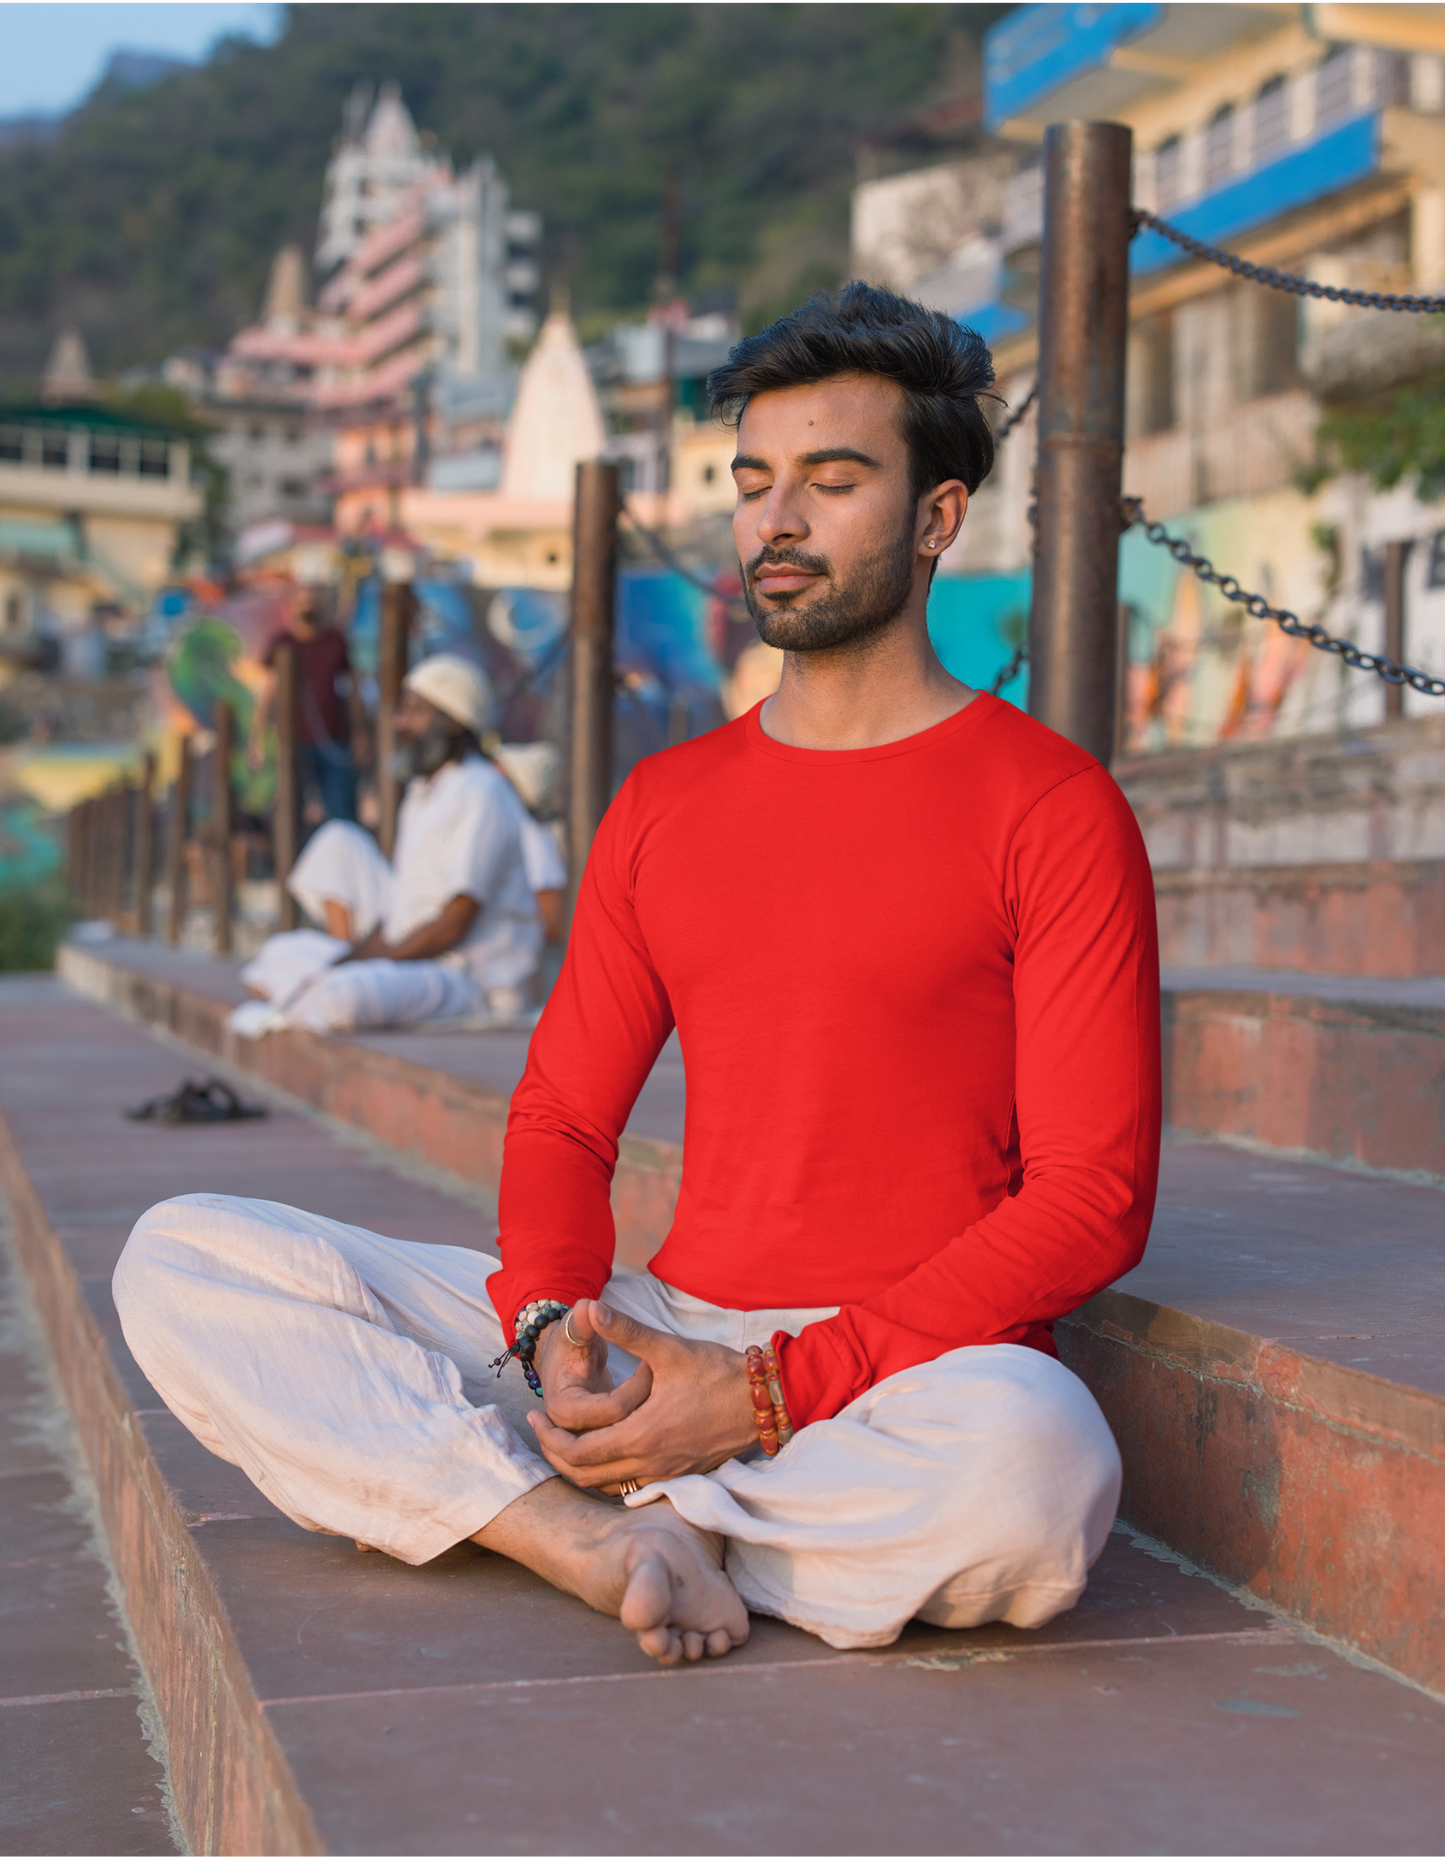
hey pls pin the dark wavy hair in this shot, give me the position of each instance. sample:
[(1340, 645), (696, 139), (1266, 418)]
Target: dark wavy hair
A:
[(942, 367)]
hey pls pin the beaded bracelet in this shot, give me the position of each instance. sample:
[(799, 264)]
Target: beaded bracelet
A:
[(528, 1328), (770, 1408)]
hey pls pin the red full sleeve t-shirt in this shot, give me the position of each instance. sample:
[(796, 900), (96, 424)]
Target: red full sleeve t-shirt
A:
[(916, 990)]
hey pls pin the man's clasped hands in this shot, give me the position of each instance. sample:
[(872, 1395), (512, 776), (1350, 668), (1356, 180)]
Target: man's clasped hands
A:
[(686, 1409)]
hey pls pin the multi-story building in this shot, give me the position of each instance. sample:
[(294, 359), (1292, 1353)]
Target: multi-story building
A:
[(1307, 138), (402, 364), (91, 509)]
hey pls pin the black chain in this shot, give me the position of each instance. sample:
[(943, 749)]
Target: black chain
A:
[(670, 560), (1005, 426), (1010, 670), (1258, 607), (1282, 280)]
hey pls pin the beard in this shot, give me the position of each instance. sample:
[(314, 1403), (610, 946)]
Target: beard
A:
[(842, 614), (424, 754)]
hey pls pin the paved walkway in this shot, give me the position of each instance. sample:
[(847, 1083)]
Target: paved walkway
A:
[(76, 1775), (465, 1706)]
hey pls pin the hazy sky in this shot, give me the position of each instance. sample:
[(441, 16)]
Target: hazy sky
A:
[(52, 53)]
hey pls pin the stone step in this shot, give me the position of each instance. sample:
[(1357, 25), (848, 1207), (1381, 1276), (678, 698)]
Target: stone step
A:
[(441, 1098), (320, 1700), (1338, 1068), (1383, 918)]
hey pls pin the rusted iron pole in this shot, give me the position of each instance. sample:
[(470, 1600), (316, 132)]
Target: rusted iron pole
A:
[(398, 604), (145, 852), (1083, 329), (176, 828), (223, 884), (1397, 555), (594, 598), (286, 819)]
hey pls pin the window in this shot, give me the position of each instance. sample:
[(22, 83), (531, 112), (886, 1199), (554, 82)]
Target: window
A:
[(104, 452), (1334, 86), (12, 445), (1271, 120), (55, 451), (1169, 172), (1219, 148), (155, 458)]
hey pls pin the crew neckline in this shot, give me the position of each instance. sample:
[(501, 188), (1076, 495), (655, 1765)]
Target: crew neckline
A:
[(936, 733)]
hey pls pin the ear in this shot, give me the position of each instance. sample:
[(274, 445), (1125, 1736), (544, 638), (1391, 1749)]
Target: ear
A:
[(940, 517)]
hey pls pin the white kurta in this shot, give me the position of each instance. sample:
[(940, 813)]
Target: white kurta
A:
[(348, 1375), (459, 833)]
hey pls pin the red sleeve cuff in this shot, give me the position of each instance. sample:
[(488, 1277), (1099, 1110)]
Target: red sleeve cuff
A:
[(819, 1377)]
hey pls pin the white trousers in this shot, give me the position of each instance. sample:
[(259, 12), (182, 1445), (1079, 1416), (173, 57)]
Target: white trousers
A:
[(347, 1374), (343, 864)]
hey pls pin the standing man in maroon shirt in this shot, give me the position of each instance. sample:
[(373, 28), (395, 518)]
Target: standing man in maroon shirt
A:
[(333, 739), (906, 938)]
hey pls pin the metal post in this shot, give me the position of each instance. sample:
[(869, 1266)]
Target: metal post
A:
[(286, 819), (223, 887), (594, 594), (79, 898), (1397, 554), (176, 827), (117, 835), (1083, 327), (398, 603), (145, 854)]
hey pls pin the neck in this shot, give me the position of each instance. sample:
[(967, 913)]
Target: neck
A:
[(861, 695)]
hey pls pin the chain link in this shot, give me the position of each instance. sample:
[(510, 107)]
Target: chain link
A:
[(1010, 670), (1005, 426), (1282, 280), (1258, 607)]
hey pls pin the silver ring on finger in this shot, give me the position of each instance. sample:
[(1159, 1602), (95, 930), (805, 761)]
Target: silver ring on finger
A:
[(567, 1331)]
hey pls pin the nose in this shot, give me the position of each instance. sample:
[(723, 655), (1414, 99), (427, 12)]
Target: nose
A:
[(782, 520)]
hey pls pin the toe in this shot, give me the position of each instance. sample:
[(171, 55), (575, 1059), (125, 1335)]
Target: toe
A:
[(692, 1645), (719, 1643)]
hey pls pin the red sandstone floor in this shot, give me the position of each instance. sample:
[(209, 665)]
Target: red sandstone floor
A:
[(466, 1707)]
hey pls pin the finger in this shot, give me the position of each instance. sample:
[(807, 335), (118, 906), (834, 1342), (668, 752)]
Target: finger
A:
[(625, 1331), (578, 1409), (588, 1450)]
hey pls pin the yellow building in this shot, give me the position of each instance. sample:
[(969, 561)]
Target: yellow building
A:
[(91, 505)]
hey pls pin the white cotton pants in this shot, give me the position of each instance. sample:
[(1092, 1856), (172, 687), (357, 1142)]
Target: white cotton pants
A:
[(348, 1375)]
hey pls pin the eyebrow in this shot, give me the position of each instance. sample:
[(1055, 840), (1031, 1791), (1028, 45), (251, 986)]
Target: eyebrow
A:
[(835, 454)]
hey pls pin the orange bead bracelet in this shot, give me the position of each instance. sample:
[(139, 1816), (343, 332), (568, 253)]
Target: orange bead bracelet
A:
[(770, 1408)]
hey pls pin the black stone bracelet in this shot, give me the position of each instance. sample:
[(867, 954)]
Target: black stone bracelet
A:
[(529, 1325)]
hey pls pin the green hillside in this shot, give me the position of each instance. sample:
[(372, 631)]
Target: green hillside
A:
[(152, 219)]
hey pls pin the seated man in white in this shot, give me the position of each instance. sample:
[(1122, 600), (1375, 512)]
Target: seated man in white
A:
[(449, 929)]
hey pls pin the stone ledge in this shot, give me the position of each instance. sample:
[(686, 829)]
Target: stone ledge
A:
[(1318, 1489)]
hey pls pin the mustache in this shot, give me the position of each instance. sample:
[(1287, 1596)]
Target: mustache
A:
[(789, 557)]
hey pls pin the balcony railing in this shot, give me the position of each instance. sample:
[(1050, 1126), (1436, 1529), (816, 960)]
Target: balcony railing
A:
[(108, 454), (1240, 141), (1244, 139)]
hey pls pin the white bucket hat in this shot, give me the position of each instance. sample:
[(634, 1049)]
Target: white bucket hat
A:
[(455, 686)]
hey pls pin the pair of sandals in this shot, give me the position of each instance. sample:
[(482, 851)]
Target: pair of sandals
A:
[(211, 1101)]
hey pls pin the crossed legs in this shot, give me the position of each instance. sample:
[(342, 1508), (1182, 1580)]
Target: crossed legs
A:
[(347, 1374)]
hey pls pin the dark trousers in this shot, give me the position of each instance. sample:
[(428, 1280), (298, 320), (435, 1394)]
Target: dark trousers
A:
[(327, 772)]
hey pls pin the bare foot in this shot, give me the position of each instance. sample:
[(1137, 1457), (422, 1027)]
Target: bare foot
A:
[(657, 1573)]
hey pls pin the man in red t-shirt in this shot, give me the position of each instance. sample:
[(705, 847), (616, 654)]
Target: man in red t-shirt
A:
[(906, 939), (332, 734)]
